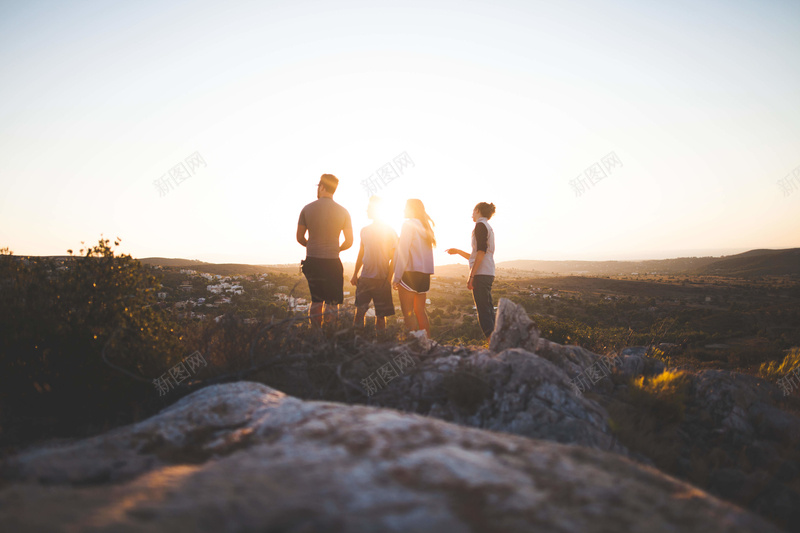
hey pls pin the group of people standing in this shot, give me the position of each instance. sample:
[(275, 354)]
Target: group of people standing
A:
[(386, 261)]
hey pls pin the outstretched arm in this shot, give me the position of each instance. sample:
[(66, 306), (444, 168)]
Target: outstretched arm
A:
[(454, 251)]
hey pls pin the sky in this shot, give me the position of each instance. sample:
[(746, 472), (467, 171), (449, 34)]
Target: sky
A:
[(600, 130)]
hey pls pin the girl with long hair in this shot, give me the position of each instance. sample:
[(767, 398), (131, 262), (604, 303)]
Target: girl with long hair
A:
[(413, 265)]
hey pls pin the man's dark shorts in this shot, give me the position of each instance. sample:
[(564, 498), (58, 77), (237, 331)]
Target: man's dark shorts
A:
[(325, 279), (377, 290)]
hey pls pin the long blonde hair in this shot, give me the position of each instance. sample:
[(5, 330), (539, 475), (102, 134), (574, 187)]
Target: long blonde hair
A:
[(415, 208)]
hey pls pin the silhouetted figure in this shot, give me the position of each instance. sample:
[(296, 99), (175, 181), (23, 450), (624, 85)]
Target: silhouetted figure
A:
[(378, 242), (481, 265), (413, 265), (324, 220)]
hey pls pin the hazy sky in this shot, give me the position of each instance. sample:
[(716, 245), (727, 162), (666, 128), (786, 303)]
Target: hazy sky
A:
[(498, 101)]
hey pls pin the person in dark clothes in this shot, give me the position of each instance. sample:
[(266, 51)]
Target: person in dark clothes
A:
[(481, 265), (324, 220)]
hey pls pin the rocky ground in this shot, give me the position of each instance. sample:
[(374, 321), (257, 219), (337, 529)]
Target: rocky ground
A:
[(505, 444), (244, 457)]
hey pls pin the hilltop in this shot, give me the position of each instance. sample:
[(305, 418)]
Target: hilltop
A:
[(747, 264), (756, 263)]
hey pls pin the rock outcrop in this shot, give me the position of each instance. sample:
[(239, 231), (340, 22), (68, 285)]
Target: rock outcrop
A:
[(519, 386), (513, 329), (244, 457), (514, 391)]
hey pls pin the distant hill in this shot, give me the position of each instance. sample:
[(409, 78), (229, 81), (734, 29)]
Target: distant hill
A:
[(223, 269), (229, 269), (451, 271), (747, 264), (680, 265), (171, 262), (755, 263)]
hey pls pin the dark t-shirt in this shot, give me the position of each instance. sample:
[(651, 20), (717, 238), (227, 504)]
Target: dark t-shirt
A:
[(325, 220), (481, 237)]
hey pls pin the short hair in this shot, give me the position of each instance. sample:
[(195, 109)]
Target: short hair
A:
[(486, 210), (329, 182)]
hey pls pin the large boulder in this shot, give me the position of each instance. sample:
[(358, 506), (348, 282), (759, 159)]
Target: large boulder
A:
[(244, 457)]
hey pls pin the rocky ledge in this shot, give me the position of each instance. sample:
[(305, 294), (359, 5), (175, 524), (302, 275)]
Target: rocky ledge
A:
[(245, 457)]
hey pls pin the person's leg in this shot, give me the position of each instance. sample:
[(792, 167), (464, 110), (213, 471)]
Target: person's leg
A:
[(482, 294), (361, 311), (331, 314), (384, 306), (422, 314), (407, 308), (362, 303), (334, 291), (310, 268), (315, 314)]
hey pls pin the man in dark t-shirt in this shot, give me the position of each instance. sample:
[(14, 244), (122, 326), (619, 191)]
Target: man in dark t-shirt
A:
[(324, 220)]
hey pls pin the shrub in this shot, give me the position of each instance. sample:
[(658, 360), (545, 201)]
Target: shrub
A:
[(55, 318)]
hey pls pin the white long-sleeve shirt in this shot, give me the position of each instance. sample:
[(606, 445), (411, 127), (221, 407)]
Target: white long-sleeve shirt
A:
[(413, 253)]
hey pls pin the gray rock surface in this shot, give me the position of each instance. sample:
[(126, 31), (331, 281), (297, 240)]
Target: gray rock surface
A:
[(513, 329), (514, 391), (244, 457), (508, 388)]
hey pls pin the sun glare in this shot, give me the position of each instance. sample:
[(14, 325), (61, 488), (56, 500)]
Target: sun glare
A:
[(390, 211)]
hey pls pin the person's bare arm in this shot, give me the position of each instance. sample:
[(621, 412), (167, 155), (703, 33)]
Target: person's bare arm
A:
[(454, 251), (301, 234), (348, 239), (391, 263), (359, 262)]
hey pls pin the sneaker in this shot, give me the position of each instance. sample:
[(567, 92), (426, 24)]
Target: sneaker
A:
[(422, 336)]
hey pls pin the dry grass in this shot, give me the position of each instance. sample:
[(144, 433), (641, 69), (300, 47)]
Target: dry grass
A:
[(773, 371), (647, 418), (663, 395)]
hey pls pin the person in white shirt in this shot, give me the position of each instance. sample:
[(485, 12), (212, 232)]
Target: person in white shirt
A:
[(413, 265), (481, 265)]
